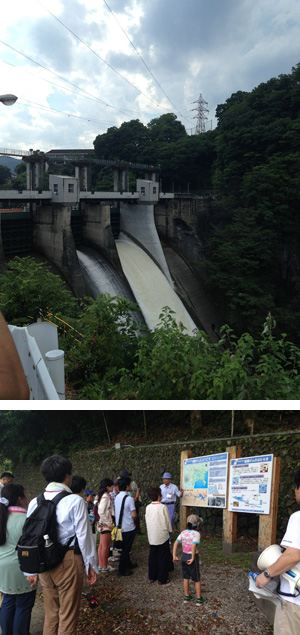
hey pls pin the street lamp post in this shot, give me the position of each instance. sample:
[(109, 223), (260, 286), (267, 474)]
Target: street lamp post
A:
[(8, 100)]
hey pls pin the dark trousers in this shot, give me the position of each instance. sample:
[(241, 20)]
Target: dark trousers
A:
[(128, 538), (158, 563), (15, 613)]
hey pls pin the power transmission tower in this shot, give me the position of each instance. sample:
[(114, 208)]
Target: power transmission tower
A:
[(201, 116)]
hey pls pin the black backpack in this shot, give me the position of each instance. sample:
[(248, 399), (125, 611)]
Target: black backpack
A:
[(36, 554)]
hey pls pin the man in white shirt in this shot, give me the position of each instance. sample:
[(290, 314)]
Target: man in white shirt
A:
[(169, 492), (127, 525), (287, 616), (62, 586)]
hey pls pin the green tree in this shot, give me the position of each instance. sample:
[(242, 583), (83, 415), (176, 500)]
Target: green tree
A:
[(125, 143), (166, 129), (5, 174), (109, 342), (172, 365), (29, 289), (255, 235)]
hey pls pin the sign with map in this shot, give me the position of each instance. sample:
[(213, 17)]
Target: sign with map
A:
[(205, 481), (250, 484)]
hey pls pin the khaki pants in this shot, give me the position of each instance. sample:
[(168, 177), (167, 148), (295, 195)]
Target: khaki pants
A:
[(62, 589), (287, 619)]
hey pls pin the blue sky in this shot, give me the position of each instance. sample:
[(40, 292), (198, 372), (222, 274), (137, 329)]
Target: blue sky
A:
[(89, 71)]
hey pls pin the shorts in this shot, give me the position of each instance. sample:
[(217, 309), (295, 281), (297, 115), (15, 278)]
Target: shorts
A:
[(190, 571)]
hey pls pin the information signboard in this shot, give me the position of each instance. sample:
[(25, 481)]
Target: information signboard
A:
[(250, 484), (205, 481)]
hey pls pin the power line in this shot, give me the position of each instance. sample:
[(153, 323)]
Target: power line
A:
[(146, 66), (34, 104), (69, 90), (43, 79), (63, 79), (100, 58)]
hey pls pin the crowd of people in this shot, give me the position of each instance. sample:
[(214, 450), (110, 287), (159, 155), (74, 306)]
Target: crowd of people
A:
[(85, 520), (81, 515)]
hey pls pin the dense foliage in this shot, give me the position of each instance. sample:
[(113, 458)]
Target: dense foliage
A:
[(110, 355), (168, 364), (29, 289), (15, 181), (252, 161), (69, 431), (185, 161), (253, 252), (5, 174)]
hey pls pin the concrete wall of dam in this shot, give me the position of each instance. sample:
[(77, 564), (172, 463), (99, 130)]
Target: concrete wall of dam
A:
[(52, 237), (169, 232)]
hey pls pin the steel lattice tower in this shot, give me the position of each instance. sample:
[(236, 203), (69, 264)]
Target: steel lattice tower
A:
[(201, 116)]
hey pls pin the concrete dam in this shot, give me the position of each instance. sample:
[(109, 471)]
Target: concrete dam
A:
[(142, 245)]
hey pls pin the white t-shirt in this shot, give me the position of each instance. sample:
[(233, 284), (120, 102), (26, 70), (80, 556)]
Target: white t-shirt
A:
[(291, 538), (72, 519)]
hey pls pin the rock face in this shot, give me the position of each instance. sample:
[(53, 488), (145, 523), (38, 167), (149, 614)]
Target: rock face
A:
[(182, 231)]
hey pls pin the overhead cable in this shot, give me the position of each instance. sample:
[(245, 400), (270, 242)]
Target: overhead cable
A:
[(101, 58), (34, 104), (146, 66), (63, 79), (69, 90)]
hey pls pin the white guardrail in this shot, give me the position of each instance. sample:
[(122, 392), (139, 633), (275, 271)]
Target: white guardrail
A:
[(42, 361)]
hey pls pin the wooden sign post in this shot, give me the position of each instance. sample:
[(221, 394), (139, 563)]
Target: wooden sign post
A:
[(230, 518), (268, 522), (184, 510)]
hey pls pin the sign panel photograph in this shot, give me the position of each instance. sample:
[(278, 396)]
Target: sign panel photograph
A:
[(205, 480), (250, 484)]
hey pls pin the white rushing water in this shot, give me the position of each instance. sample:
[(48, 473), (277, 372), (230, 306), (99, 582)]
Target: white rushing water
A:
[(151, 288), (100, 275)]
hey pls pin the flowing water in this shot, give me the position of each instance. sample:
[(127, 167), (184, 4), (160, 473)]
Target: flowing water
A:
[(150, 286), (100, 275)]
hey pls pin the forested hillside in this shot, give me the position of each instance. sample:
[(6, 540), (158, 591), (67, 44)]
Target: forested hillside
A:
[(252, 161), (253, 252), (29, 436), (185, 161)]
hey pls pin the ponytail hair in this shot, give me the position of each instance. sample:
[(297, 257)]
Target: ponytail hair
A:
[(12, 493)]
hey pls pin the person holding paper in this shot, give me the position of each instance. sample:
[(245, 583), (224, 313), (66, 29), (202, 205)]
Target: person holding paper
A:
[(287, 616)]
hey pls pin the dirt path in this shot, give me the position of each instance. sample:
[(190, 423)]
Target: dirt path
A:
[(37, 616), (134, 606)]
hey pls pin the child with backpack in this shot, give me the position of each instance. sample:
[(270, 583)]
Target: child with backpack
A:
[(190, 541)]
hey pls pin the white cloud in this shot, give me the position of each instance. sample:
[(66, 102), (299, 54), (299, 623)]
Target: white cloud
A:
[(191, 47)]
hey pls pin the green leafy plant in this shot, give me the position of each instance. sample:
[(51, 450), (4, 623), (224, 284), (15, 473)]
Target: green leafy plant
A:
[(29, 289)]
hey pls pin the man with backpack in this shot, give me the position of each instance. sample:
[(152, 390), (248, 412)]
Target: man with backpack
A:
[(62, 585)]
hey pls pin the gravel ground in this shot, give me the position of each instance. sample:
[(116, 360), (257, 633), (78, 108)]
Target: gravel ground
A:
[(229, 607)]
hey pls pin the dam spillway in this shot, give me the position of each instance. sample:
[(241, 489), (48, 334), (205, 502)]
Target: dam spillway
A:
[(100, 275), (150, 286)]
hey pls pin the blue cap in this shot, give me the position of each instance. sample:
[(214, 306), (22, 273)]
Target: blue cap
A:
[(89, 491), (167, 475)]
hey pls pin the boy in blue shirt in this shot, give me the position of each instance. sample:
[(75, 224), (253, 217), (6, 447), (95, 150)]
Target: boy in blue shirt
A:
[(190, 541)]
